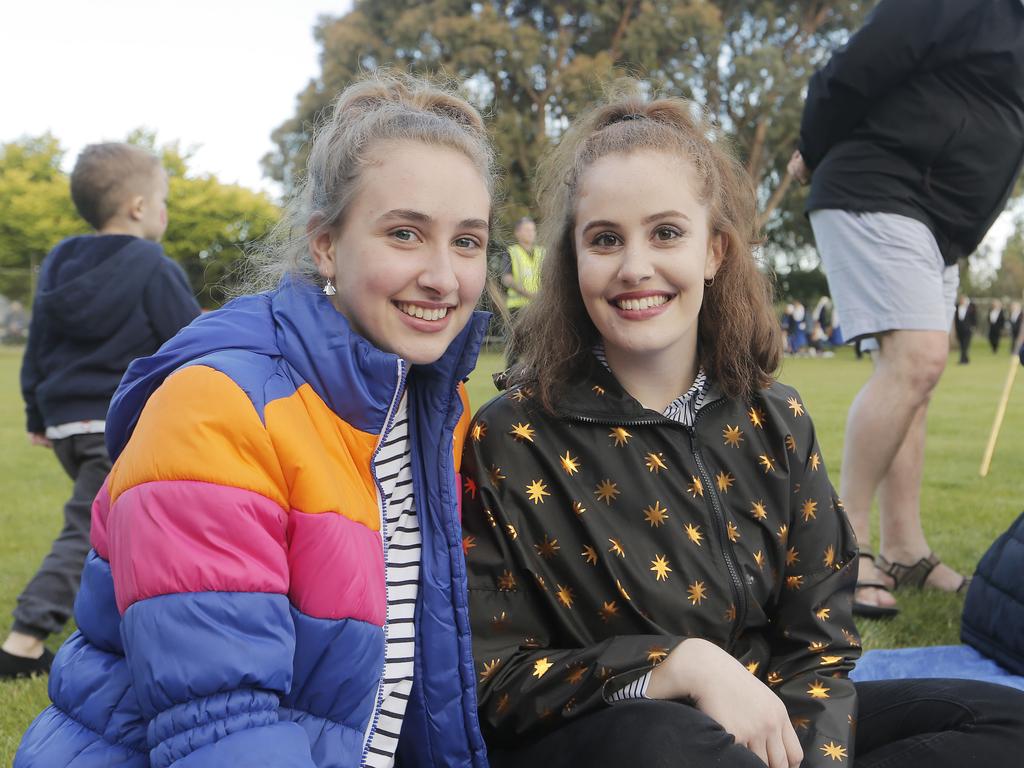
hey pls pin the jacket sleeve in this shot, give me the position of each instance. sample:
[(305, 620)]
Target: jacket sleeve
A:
[(198, 553), (169, 302), (31, 374), (536, 663), (815, 642), (898, 38)]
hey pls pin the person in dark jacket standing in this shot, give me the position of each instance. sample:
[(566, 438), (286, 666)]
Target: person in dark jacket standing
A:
[(659, 569), (1015, 320), (912, 138), (996, 324), (965, 320), (102, 301)]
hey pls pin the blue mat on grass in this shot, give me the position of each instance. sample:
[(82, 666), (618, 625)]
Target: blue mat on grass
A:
[(958, 661)]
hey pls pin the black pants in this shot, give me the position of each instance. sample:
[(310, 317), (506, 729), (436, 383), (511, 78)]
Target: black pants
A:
[(965, 344), (47, 601), (902, 724)]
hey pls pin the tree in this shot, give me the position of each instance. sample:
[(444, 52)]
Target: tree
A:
[(1009, 278), (534, 65), (210, 223)]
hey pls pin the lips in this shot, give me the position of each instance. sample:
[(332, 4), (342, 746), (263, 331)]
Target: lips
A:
[(420, 312), (641, 303)]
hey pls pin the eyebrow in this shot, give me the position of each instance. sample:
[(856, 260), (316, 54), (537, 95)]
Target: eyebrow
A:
[(647, 220), (405, 214)]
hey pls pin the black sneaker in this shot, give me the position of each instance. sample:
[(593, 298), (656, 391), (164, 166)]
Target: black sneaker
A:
[(18, 666)]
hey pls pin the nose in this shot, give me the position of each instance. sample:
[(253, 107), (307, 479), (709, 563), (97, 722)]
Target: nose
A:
[(635, 266), (438, 274)]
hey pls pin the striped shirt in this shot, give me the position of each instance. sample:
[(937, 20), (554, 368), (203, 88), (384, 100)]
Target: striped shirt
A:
[(401, 534), (684, 410)]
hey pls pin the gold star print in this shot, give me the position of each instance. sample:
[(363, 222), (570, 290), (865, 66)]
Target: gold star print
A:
[(537, 490), (800, 723), (490, 518), (656, 655), (733, 436), (818, 690), (490, 667), (655, 462), (756, 417), (758, 510), (830, 556), (697, 593), (495, 475), (656, 514), (500, 621), (694, 534), (809, 510), (598, 390), (830, 660), (468, 542), (521, 393), (792, 556), (850, 638), (541, 666), (622, 590), (564, 594), (759, 559), (616, 547), (507, 582), (609, 610), (766, 462), (512, 532), (696, 488), (479, 431), (815, 461), (547, 548), (783, 532), (606, 491), (822, 613), (522, 431), (790, 443), (730, 613), (732, 532), (589, 554), (774, 678), (469, 486), (794, 582), (576, 673), (569, 464), (660, 567), (724, 481), (833, 750), (503, 703), (816, 646), (795, 406), (578, 508), (752, 667), (620, 436), (540, 581)]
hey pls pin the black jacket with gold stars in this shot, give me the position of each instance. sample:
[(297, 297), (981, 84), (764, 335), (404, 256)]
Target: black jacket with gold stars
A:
[(599, 539)]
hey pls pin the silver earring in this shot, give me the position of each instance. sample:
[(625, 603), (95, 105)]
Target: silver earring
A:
[(328, 288), (707, 283)]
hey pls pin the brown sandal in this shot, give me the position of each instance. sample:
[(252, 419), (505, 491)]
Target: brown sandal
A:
[(867, 610), (916, 575)]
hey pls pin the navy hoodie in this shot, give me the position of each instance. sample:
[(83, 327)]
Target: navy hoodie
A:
[(101, 302)]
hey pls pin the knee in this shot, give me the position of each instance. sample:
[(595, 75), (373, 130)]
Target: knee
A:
[(917, 363)]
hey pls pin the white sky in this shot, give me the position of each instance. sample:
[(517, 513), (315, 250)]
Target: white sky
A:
[(219, 75)]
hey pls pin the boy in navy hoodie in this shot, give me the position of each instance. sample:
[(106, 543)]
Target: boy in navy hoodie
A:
[(102, 300)]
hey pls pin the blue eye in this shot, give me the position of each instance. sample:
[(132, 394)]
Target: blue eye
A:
[(405, 235), (466, 242)]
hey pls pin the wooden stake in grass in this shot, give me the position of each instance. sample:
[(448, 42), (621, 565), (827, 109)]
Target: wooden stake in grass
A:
[(990, 449)]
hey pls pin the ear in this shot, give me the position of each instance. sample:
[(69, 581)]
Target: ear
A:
[(136, 207), (321, 248), (716, 254)]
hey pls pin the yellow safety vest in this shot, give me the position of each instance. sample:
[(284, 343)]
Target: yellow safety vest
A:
[(526, 272)]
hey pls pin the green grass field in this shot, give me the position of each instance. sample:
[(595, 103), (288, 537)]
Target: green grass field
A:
[(963, 513)]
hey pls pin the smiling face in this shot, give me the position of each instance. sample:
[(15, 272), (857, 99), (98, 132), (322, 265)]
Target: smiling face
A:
[(409, 259), (643, 251)]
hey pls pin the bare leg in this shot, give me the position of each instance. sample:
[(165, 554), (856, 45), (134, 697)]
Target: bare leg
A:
[(907, 369)]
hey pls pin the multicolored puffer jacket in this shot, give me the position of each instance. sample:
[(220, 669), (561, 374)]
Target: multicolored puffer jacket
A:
[(599, 538), (231, 610)]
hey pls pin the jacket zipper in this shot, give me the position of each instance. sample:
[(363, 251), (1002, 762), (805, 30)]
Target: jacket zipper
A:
[(388, 424), (738, 591)]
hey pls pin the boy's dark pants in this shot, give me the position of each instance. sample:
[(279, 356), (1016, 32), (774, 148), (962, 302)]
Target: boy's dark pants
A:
[(46, 603)]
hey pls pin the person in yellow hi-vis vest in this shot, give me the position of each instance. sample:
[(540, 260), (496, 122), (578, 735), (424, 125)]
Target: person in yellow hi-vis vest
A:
[(521, 277)]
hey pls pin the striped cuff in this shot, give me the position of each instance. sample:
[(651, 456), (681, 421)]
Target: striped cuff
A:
[(631, 691)]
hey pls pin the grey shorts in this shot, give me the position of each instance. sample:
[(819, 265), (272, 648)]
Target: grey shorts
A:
[(885, 273)]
